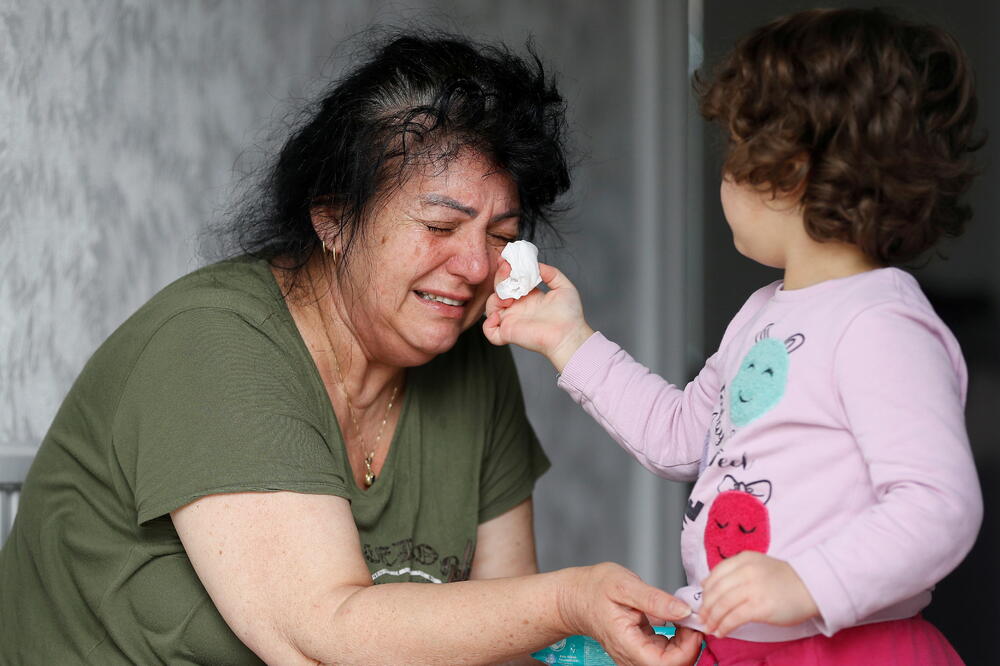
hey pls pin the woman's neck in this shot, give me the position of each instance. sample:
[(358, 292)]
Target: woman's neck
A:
[(339, 352)]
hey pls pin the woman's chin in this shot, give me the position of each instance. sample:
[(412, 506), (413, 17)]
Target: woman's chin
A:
[(423, 348)]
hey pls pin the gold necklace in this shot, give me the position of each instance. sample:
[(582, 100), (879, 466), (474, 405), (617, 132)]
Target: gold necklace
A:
[(370, 455)]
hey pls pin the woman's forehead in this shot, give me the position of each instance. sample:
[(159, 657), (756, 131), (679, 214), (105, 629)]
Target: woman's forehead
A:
[(465, 183)]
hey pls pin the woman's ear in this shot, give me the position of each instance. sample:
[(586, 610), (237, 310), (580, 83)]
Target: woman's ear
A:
[(326, 223)]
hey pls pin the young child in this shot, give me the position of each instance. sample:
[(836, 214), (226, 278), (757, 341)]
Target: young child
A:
[(835, 484)]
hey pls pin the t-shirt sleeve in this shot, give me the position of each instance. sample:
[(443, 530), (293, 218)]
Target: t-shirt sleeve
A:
[(215, 405), (901, 381), (513, 458)]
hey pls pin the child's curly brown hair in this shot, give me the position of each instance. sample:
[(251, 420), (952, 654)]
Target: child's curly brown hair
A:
[(871, 116)]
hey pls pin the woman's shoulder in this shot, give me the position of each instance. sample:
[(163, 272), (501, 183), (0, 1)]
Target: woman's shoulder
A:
[(223, 304), (242, 285)]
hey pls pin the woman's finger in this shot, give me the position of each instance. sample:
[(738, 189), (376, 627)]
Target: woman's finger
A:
[(658, 650), (686, 644), (652, 601), (656, 621)]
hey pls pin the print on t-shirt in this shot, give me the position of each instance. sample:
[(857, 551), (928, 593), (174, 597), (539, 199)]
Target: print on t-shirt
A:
[(762, 377), (407, 560), (738, 518)]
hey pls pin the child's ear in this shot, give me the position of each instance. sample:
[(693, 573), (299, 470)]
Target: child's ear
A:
[(798, 172)]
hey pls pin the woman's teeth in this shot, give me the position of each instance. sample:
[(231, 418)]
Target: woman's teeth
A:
[(439, 299)]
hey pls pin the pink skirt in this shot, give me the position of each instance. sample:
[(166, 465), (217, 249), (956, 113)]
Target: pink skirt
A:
[(910, 642)]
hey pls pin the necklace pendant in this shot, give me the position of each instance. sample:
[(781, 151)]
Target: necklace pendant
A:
[(369, 472)]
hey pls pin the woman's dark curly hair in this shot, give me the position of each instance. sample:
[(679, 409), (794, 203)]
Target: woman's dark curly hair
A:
[(420, 98), (871, 116)]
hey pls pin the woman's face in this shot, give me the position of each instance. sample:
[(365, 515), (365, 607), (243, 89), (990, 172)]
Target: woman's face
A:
[(424, 268)]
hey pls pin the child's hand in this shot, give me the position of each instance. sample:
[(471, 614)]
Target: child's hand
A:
[(753, 587), (549, 323)]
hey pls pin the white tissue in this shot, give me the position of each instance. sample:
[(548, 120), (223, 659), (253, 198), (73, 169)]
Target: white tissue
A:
[(524, 276)]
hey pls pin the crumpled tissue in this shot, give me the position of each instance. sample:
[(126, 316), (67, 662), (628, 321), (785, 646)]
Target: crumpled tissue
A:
[(524, 276)]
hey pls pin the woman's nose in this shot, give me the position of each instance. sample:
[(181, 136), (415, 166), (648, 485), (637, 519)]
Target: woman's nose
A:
[(471, 259)]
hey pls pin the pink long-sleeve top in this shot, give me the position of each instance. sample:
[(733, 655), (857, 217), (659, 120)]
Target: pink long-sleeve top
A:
[(827, 431)]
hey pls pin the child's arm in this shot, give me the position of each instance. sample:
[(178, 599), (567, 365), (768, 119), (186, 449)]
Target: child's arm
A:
[(551, 324), (662, 426), (901, 383)]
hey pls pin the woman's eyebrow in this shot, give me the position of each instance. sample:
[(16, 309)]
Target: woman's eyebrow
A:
[(448, 202)]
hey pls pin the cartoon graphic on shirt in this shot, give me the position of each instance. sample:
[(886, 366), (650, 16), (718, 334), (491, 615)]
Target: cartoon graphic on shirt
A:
[(691, 512), (398, 560), (738, 520), (762, 377)]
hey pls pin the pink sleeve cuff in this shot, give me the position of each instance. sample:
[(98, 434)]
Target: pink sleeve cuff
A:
[(593, 354)]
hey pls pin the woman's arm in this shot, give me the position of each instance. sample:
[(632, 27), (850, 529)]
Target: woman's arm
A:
[(285, 571), (505, 545)]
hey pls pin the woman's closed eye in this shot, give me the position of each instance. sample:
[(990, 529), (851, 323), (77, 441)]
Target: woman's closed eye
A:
[(503, 239), (439, 228)]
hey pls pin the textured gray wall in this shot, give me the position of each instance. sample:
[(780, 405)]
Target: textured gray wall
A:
[(122, 123)]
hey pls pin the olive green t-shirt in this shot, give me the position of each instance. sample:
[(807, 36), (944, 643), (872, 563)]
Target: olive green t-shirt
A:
[(208, 389)]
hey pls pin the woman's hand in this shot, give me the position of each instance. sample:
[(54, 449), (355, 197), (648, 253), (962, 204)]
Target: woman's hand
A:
[(550, 323), (753, 587), (611, 604)]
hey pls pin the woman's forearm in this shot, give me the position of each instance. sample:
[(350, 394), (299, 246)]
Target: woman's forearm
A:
[(285, 572), (471, 622)]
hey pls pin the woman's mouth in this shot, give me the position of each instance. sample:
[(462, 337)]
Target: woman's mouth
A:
[(443, 306), (440, 299)]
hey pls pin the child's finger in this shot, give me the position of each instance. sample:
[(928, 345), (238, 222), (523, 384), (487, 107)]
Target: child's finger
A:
[(491, 329), (553, 277), (737, 615), (494, 303), (717, 610), (503, 271)]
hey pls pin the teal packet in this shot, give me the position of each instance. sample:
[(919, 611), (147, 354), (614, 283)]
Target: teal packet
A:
[(583, 651)]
